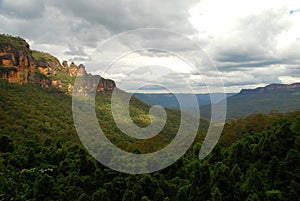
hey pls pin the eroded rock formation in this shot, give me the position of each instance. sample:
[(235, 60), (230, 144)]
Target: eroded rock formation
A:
[(18, 64)]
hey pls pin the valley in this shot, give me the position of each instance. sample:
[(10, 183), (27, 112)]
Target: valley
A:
[(43, 158)]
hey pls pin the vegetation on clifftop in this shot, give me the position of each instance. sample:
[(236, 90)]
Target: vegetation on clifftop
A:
[(16, 42), (42, 56)]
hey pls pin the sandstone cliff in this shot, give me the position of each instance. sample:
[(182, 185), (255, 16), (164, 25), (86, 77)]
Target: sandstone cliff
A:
[(16, 62), (19, 64)]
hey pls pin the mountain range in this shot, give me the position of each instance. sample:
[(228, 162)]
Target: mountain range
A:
[(19, 64), (169, 100), (271, 98)]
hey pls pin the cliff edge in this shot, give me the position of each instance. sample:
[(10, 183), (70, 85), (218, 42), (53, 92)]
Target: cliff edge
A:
[(19, 64)]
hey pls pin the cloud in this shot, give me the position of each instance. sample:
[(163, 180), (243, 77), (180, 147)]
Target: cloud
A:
[(251, 42), (22, 9), (75, 51), (251, 45), (252, 39), (124, 15), (79, 59)]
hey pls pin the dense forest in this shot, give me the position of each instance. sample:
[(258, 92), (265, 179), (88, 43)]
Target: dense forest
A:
[(41, 157)]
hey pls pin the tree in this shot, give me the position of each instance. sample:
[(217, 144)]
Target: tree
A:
[(294, 190), (216, 194), (31, 159), (101, 194), (159, 194), (274, 195), (183, 193), (129, 196), (292, 160), (6, 144), (84, 197), (254, 185), (145, 198), (253, 197), (45, 188), (274, 168)]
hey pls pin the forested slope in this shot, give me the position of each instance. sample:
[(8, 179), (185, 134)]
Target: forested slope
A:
[(41, 157)]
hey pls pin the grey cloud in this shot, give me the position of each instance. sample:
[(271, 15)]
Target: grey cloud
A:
[(293, 70), (51, 26), (236, 56), (252, 43), (248, 66), (124, 15), (160, 42), (152, 88), (80, 59), (86, 23), (75, 51), (266, 74), (239, 55), (22, 9), (264, 27), (241, 83)]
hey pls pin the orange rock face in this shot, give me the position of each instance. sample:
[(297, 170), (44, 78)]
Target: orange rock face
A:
[(17, 65), (43, 70), (6, 62)]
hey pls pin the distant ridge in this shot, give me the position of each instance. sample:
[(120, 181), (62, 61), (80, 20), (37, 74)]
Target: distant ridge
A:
[(270, 88), (169, 100), (271, 98)]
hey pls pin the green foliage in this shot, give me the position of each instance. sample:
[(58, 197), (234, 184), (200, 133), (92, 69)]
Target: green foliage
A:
[(41, 157), (40, 75), (63, 76), (6, 144), (42, 56), (4, 69), (46, 189), (16, 42), (60, 74)]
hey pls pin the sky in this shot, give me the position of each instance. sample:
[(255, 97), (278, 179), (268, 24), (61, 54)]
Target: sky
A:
[(166, 46)]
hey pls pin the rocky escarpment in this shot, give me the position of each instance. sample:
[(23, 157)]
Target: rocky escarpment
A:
[(16, 62), (271, 88), (19, 64)]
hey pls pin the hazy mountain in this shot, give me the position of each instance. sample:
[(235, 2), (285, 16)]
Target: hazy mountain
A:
[(272, 98), (170, 100)]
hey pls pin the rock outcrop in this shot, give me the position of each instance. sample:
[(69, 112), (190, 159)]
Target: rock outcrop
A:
[(16, 62), (19, 64)]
